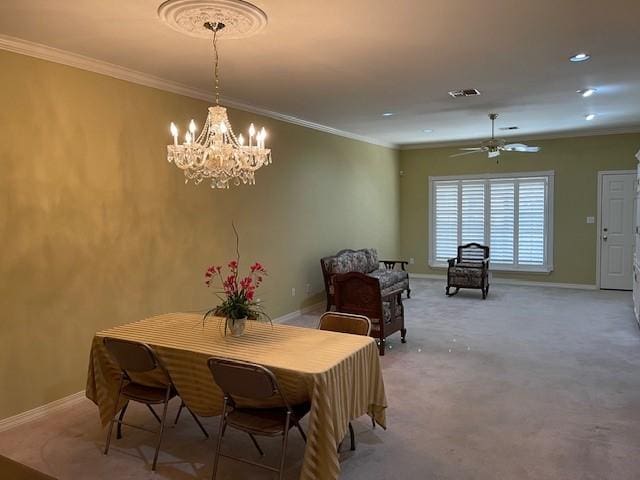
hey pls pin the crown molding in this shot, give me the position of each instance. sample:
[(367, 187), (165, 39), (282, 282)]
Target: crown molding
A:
[(547, 136), (56, 55)]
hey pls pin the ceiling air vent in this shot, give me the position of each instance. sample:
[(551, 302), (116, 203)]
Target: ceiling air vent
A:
[(467, 92), (513, 127)]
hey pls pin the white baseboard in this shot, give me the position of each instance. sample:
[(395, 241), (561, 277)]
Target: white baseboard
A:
[(510, 281), (291, 315), (41, 411)]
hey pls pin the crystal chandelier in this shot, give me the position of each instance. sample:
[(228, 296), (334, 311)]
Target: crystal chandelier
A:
[(217, 153)]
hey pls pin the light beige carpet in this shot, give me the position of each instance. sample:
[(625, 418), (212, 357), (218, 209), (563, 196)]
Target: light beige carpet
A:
[(533, 383)]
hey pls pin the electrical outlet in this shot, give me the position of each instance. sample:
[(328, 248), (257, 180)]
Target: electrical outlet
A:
[(308, 289), (412, 261), (293, 292), (591, 220)]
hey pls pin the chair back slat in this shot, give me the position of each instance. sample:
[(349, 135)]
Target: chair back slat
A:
[(131, 356), (472, 253), (241, 379), (345, 323)]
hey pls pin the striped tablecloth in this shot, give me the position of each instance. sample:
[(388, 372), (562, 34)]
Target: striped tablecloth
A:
[(339, 373)]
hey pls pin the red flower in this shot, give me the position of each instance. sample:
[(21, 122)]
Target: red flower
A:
[(249, 295), (233, 265), (246, 282), (257, 267)]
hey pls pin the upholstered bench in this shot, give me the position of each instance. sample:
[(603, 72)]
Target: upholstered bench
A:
[(365, 261)]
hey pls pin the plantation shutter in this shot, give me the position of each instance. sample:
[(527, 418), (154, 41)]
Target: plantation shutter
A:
[(502, 221), (531, 215), (511, 215), (446, 220), (473, 211)]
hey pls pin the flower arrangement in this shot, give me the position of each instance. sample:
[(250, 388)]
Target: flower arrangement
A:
[(237, 294)]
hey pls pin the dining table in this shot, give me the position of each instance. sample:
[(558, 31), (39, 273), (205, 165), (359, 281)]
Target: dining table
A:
[(339, 374)]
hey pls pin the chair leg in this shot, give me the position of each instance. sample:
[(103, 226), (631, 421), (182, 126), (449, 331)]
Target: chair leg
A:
[(403, 332), (221, 429), (162, 421), (284, 445), (153, 412), (195, 417), (408, 293), (115, 413), (304, 437), (255, 443), (381, 346), (120, 418), (182, 405), (353, 437)]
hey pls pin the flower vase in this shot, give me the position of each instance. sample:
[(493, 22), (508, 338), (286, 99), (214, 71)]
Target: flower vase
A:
[(236, 326)]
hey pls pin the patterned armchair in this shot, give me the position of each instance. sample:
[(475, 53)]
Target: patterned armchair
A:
[(361, 294), (470, 269)]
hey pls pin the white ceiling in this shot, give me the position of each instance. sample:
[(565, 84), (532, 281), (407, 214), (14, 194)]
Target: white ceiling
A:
[(342, 63)]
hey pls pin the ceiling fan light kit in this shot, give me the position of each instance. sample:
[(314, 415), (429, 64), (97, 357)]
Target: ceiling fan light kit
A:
[(494, 146)]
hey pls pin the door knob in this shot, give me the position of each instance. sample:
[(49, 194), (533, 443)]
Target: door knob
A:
[(604, 237)]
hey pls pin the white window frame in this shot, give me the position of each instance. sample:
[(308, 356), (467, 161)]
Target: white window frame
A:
[(549, 207)]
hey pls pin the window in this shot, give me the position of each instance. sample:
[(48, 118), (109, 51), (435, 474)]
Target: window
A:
[(512, 213)]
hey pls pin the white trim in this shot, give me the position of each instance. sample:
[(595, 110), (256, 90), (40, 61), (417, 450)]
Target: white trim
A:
[(533, 136), (509, 281), (41, 411), (491, 176), (45, 52), (488, 177), (296, 313), (601, 174)]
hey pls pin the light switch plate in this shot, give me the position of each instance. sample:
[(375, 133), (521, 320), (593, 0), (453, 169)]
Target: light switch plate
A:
[(591, 219)]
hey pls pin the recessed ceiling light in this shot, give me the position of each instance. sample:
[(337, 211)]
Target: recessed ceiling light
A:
[(590, 117), (427, 130), (580, 57), (587, 92), (388, 114)]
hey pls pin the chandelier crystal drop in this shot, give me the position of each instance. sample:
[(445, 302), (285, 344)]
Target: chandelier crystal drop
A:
[(217, 153)]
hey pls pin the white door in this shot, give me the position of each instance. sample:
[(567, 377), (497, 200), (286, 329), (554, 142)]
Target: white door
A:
[(616, 235)]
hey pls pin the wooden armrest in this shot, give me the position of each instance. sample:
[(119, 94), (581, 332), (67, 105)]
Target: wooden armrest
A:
[(390, 295), (452, 262), (390, 264)]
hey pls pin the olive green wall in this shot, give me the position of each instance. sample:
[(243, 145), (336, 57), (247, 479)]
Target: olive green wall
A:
[(97, 229), (576, 162)]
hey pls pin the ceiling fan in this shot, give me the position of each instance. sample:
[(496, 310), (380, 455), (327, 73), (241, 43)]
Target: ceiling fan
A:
[(494, 145)]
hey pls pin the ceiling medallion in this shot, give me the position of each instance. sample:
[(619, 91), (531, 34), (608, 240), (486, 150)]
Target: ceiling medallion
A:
[(241, 19)]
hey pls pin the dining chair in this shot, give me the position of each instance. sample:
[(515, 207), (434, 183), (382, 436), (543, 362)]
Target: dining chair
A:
[(346, 323), (252, 382), (139, 358)]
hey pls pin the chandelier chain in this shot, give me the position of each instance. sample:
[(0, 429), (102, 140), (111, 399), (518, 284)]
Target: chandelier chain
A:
[(215, 66)]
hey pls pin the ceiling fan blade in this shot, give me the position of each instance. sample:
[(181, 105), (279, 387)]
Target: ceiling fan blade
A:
[(520, 147), (493, 154), (472, 148), (465, 153)]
